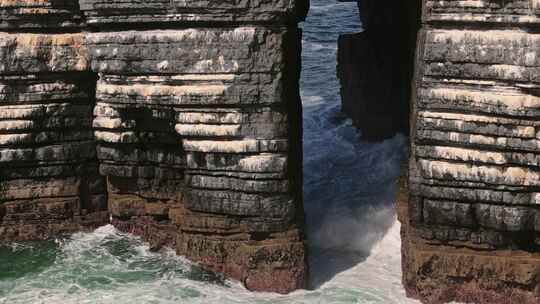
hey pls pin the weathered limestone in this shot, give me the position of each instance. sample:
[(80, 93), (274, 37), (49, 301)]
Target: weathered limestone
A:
[(175, 118), (194, 122), (471, 228), (114, 12), (38, 15), (49, 182)]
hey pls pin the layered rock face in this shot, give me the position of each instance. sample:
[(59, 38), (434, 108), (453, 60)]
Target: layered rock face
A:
[(472, 224), (40, 16), (49, 181), (375, 67), (182, 119), (194, 128)]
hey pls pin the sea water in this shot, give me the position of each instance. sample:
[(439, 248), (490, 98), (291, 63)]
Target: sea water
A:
[(349, 192)]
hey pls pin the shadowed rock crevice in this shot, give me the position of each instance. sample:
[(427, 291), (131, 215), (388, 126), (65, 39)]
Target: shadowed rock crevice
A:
[(376, 67)]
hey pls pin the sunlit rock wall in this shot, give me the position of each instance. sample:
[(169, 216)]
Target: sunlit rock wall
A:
[(179, 119), (196, 109), (49, 182), (472, 230)]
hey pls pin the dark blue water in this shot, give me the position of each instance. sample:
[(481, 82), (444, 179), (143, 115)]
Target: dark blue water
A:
[(349, 191)]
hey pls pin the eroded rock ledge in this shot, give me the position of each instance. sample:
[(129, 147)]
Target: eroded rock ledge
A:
[(180, 120)]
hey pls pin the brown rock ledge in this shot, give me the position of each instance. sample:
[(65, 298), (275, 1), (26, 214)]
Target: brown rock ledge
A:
[(276, 264), (444, 273)]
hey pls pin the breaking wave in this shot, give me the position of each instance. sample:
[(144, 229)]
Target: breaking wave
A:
[(107, 266)]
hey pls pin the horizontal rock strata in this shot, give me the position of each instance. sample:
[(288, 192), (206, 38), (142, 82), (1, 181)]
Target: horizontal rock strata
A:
[(473, 223), (193, 129), (40, 15), (178, 119), (49, 181), (114, 12)]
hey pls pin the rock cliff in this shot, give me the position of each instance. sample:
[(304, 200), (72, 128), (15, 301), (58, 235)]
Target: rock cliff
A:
[(181, 120), (49, 181), (472, 225)]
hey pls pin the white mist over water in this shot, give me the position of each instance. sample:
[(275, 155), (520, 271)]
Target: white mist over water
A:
[(349, 188)]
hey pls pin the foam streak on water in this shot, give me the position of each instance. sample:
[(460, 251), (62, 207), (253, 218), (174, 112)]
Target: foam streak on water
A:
[(110, 267), (349, 192)]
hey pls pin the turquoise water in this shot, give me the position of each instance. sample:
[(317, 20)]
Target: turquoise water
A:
[(349, 191), (110, 267)]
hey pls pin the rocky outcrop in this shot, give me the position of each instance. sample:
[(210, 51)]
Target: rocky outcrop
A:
[(179, 119), (49, 181), (472, 223), (182, 122), (194, 128), (375, 67)]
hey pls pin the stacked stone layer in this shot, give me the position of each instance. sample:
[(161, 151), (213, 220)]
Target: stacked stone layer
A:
[(177, 12), (49, 182), (174, 118), (193, 130), (474, 172), (524, 13)]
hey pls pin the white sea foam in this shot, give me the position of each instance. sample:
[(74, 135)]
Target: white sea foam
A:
[(89, 271), (349, 187)]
